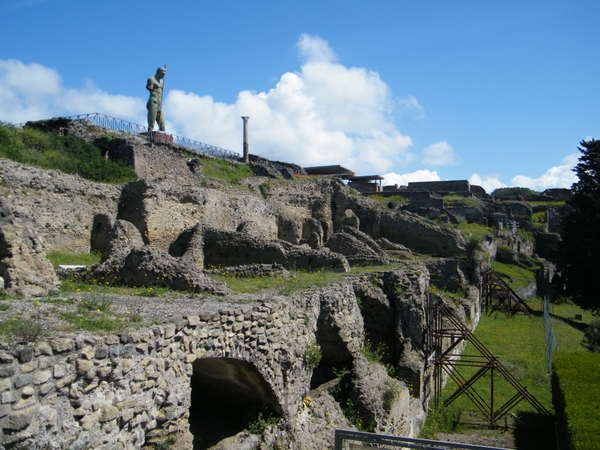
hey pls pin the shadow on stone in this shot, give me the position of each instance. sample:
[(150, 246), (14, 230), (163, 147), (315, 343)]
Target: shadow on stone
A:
[(228, 397)]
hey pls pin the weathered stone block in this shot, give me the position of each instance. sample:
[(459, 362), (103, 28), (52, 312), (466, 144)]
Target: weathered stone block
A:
[(193, 321), (60, 370), (84, 366), (88, 421), (28, 367), (87, 352), (21, 419), (61, 345), (5, 410), (42, 348), (101, 352), (7, 371), (108, 412), (169, 330), (22, 380), (5, 384), (41, 376), (25, 354), (5, 358), (27, 391), (8, 397), (45, 388), (64, 381)]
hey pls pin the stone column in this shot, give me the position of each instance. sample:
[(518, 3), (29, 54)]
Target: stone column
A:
[(246, 145)]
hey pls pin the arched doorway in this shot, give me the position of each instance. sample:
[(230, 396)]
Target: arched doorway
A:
[(227, 396)]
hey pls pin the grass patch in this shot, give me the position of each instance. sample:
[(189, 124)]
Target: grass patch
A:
[(550, 204), (514, 276), (73, 285), (99, 322), (83, 283), (453, 201), (22, 330), (95, 313), (397, 200), (65, 153), (474, 230), (76, 259), (225, 170), (284, 286), (577, 388)]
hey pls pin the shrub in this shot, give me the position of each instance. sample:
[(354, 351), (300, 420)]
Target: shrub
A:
[(65, 153), (592, 335), (313, 355), (512, 193), (22, 330)]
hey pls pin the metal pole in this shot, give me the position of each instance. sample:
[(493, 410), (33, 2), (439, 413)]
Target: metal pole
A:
[(246, 145)]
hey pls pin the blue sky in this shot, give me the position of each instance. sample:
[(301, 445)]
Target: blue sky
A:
[(499, 93)]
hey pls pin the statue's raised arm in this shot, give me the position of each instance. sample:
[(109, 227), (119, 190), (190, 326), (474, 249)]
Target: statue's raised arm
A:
[(155, 85)]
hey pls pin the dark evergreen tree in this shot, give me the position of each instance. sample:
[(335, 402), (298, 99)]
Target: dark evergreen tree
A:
[(579, 255), (512, 193)]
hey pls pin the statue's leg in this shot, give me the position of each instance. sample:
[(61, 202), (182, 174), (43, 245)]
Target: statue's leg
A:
[(151, 114), (161, 122)]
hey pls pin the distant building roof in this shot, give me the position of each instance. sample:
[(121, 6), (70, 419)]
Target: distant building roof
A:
[(337, 171), (366, 178)]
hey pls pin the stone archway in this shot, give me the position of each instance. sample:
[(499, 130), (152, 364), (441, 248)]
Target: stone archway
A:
[(336, 356), (227, 394)]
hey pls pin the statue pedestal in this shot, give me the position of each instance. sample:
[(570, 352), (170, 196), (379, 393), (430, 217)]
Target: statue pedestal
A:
[(158, 135)]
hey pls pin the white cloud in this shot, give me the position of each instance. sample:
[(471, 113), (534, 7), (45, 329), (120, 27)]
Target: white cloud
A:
[(314, 48), (560, 176), (325, 113), (410, 104), (403, 179), (489, 183), (555, 177), (34, 92), (439, 154)]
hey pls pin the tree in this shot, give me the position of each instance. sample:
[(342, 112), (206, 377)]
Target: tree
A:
[(579, 254), (512, 193)]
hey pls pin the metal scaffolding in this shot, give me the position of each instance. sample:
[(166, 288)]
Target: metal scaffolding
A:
[(498, 296), (445, 333)]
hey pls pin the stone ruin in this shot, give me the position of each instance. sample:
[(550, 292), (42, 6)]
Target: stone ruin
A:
[(174, 227)]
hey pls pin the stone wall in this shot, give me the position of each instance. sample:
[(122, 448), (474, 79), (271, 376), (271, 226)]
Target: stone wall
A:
[(115, 391), (61, 206), (135, 388)]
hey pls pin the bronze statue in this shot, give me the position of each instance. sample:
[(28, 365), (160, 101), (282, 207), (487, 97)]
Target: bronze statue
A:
[(155, 85)]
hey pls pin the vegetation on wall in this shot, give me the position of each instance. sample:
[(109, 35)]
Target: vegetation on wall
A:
[(389, 200), (514, 276), (512, 193), (65, 153), (225, 170), (458, 200)]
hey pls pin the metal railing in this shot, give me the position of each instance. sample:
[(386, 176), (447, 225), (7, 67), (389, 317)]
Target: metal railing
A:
[(351, 440), (551, 344), (124, 126)]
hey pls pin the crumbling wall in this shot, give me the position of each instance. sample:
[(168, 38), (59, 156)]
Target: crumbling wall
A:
[(134, 388), (61, 207), (24, 269)]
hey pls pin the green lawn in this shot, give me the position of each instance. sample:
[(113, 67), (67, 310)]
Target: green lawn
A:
[(519, 344)]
